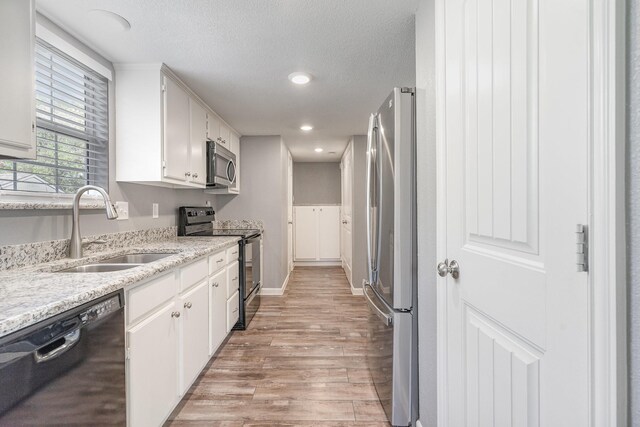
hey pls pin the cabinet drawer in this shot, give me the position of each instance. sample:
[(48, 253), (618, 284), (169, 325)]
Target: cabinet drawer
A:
[(233, 310), (233, 254), (144, 298), (233, 279), (193, 273), (217, 261)]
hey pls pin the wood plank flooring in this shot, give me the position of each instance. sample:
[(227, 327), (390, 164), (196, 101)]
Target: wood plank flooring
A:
[(301, 362)]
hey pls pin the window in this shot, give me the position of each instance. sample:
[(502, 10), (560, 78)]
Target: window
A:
[(72, 129)]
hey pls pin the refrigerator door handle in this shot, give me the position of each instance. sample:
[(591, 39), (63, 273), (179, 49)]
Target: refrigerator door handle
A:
[(368, 195), (387, 319)]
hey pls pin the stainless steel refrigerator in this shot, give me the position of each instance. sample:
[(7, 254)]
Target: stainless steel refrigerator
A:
[(391, 292)]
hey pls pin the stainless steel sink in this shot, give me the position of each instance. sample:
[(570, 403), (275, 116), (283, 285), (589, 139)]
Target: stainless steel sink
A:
[(98, 268), (135, 258), (122, 262)]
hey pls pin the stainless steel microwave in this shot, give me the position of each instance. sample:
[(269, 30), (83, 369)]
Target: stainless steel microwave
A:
[(221, 166)]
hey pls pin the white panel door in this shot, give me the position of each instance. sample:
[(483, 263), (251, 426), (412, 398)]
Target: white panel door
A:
[(290, 211), (346, 211), (153, 368), (195, 333), (17, 78), (306, 233), (176, 131), (328, 233), (515, 141), (198, 142)]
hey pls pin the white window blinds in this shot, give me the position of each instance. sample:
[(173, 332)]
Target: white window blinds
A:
[(72, 122)]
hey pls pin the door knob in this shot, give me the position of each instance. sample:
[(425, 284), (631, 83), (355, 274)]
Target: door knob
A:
[(446, 267), (188, 305)]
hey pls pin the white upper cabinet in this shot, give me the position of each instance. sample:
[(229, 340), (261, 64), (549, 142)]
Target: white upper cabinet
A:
[(198, 143), (176, 130), (17, 79), (162, 128)]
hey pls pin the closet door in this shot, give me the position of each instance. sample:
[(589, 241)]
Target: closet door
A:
[(306, 233), (329, 232)]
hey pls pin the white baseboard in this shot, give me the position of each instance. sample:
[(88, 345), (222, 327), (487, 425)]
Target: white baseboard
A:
[(356, 291), (276, 291), (418, 423), (317, 264)]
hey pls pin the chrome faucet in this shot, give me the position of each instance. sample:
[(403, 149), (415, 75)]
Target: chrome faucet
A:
[(75, 246)]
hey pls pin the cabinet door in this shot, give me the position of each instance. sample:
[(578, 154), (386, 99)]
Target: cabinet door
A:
[(153, 368), (306, 233), (198, 142), (195, 333), (329, 232), (17, 79), (225, 134), (176, 131), (217, 310), (213, 127)]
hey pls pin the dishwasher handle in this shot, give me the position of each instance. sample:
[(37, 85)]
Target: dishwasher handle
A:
[(58, 347)]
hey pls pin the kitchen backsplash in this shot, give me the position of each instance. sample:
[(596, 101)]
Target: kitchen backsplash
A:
[(17, 256)]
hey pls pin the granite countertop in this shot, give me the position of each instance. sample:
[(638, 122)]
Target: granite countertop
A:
[(32, 294)]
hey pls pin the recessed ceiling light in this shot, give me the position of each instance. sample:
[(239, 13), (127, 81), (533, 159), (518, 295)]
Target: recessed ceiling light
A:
[(318, 150), (300, 78), (306, 128)]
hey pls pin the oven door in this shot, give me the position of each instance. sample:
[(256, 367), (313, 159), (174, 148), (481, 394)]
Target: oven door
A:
[(221, 166)]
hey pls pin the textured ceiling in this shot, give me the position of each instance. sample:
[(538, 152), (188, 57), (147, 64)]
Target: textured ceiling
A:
[(237, 54)]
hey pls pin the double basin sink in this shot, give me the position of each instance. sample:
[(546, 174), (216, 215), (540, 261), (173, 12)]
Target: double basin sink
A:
[(118, 263)]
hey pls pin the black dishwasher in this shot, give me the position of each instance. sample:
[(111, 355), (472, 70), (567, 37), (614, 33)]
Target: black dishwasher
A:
[(68, 369)]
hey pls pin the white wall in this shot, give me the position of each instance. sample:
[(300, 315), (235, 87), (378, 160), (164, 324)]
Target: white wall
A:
[(359, 216), (426, 186), (263, 196), (25, 226)]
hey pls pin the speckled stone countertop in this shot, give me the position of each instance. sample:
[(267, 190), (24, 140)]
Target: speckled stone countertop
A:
[(31, 294)]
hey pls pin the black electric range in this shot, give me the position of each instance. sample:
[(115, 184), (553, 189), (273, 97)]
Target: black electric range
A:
[(196, 222)]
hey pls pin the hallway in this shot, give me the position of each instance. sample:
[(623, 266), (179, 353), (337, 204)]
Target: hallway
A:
[(301, 362)]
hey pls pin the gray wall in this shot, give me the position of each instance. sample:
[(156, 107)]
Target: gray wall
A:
[(263, 196), (25, 226), (633, 206), (359, 215), (426, 182), (316, 183)]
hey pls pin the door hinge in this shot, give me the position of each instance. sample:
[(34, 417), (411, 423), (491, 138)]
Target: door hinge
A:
[(164, 164), (128, 354), (164, 88), (582, 248), (407, 90)]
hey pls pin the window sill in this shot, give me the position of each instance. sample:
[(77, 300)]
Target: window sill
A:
[(46, 202)]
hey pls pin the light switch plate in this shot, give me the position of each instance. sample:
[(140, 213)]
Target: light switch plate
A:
[(123, 210), (154, 208)]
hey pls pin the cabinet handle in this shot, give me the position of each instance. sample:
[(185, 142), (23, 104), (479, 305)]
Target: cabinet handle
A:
[(215, 285), (188, 305), (235, 278), (175, 314), (187, 174), (195, 175), (219, 261)]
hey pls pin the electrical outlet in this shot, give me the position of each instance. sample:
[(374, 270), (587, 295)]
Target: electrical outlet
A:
[(123, 210), (155, 209)]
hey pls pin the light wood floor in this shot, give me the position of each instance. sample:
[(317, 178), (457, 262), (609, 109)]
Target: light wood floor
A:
[(301, 362)]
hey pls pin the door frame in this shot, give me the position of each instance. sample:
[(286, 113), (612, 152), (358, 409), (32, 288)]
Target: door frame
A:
[(606, 228)]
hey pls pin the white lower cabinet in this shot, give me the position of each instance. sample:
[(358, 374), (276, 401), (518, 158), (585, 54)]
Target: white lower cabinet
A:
[(152, 373), (317, 233), (195, 333), (174, 324), (217, 310)]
